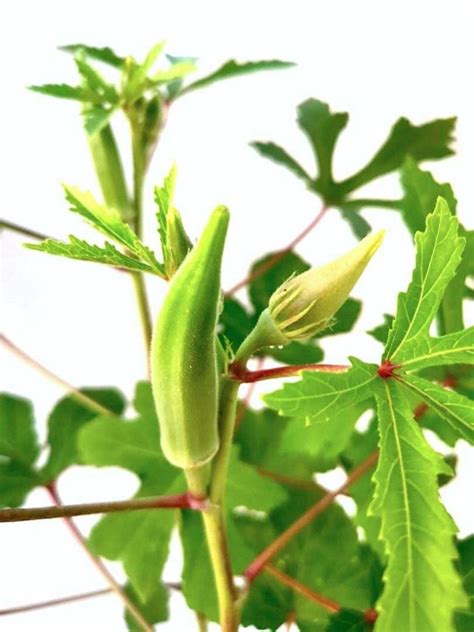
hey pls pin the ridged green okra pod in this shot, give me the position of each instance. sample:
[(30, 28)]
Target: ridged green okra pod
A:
[(183, 352)]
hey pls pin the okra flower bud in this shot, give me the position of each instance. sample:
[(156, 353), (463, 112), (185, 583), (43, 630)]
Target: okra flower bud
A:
[(183, 353), (306, 303)]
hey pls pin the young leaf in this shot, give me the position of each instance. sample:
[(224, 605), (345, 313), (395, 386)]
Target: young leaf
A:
[(422, 589), (63, 91), (81, 250), (95, 82), (439, 252), (64, 423), (455, 409), (233, 69), (96, 118), (316, 394), (19, 450), (105, 54)]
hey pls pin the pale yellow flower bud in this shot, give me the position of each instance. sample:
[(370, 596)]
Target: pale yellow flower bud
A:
[(306, 303)]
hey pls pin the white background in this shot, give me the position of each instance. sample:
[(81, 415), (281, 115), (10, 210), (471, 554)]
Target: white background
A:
[(377, 60)]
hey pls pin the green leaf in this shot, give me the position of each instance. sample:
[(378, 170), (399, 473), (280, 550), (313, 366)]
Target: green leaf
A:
[(154, 609), (438, 254), (95, 82), (344, 319), (107, 221), (63, 91), (317, 393), (325, 439), (455, 348), (233, 68), (465, 620), (425, 142), (381, 332), (105, 54), (260, 438), (67, 418), (235, 323), (18, 440), (82, 251), (247, 488), (360, 227), (197, 586), (96, 118), (421, 192), (273, 269), (140, 539), (19, 450), (297, 353), (422, 588), (455, 409), (361, 446), (348, 621), (280, 156), (322, 127)]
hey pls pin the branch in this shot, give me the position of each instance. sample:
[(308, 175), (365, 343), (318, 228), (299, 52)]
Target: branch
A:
[(55, 602), (28, 232), (241, 374), (303, 521), (179, 501), (329, 604), (86, 401), (100, 566), (278, 255)]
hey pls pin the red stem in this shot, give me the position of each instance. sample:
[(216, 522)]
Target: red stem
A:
[(240, 373), (279, 254), (286, 536)]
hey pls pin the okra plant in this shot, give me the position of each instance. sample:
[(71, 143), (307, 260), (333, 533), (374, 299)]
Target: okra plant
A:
[(263, 543)]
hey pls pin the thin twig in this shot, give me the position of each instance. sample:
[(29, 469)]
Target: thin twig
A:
[(22, 230), (55, 602), (279, 254), (100, 566), (178, 501), (242, 375), (83, 399), (303, 521), (329, 604)]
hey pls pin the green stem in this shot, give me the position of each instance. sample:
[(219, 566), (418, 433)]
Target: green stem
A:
[(143, 309), (220, 558), (213, 517), (202, 622), (109, 170)]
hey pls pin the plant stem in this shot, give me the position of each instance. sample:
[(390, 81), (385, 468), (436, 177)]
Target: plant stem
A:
[(179, 501), (220, 558), (143, 309), (213, 517), (97, 562), (55, 602), (329, 604), (244, 376), (73, 392), (279, 254), (28, 232), (202, 622), (303, 521)]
